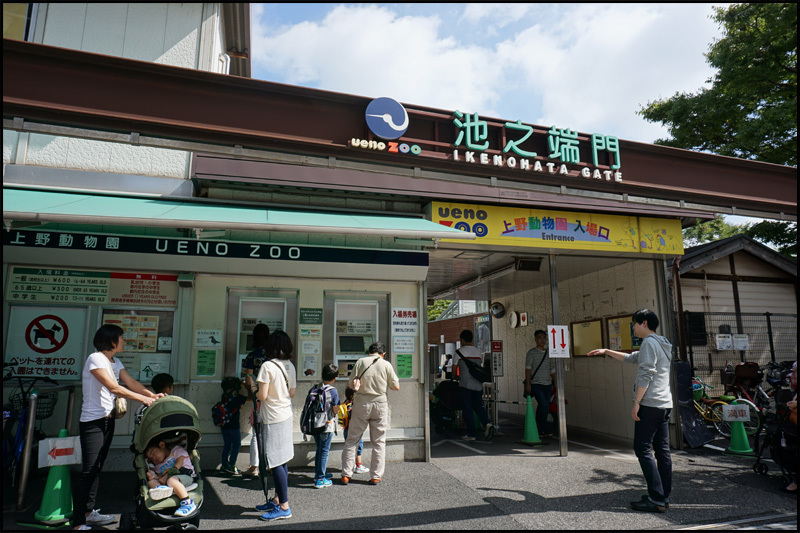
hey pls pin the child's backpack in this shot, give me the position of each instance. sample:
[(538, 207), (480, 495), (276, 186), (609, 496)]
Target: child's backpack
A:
[(343, 415), (317, 410), (221, 414)]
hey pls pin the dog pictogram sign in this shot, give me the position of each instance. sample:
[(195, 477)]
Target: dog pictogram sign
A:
[(46, 334)]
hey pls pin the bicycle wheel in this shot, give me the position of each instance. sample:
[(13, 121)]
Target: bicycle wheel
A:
[(723, 426), (752, 426)]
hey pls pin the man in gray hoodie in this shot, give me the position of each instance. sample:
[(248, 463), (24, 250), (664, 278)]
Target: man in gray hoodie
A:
[(652, 405)]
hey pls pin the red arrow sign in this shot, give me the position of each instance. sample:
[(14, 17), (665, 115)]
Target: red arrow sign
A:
[(553, 331), (57, 452), (563, 344)]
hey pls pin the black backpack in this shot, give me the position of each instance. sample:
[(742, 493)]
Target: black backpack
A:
[(317, 410)]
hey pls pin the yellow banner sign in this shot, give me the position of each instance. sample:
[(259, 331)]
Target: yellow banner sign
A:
[(544, 228)]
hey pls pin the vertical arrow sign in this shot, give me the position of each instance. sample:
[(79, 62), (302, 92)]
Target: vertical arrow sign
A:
[(556, 348)]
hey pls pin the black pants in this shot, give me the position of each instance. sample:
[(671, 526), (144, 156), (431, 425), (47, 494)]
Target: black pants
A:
[(651, 437), (95, 438)]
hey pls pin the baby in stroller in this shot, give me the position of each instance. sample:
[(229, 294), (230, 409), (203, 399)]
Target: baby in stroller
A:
[(169, 488), (170, 470)]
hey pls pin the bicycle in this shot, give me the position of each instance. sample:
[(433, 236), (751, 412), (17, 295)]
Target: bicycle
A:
[(735, 380), (709, 408), (16, 418)]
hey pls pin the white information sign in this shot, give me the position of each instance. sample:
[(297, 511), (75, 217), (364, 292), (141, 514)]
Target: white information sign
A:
[(736, 413), (405, 321), (741, 341), (208, 338), (403, 344), (46, 341), (724, 341), (558, 341), (60, 451)]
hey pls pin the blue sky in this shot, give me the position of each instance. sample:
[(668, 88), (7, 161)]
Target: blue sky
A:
[(587, 67)]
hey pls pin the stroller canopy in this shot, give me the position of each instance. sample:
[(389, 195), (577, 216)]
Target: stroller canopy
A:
[(168, 416)]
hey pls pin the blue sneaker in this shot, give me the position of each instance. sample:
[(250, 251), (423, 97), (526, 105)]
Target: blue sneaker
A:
[(266, 507), (321, 483), (277, 514), (187, 507)]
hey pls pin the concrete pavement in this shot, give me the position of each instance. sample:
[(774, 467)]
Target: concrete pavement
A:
[(487, 485)]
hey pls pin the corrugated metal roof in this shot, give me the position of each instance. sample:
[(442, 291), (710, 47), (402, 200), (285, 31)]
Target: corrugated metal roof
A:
[(236, 37)]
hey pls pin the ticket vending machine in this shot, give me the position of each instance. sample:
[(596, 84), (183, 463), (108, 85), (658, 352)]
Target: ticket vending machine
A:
[(353, 322)]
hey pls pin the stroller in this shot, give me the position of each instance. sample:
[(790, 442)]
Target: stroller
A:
[(175, 421), (445, 404), (782, 443)]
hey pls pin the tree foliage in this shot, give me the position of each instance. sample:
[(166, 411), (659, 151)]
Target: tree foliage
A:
[(438, 307), (750, 110), (781, 236)]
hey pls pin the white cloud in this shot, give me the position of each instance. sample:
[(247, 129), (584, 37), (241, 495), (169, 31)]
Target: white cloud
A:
[(583, 66)]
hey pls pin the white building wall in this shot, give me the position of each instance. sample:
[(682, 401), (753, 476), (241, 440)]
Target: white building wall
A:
[(186, 35), (699, 295), (598, 390)]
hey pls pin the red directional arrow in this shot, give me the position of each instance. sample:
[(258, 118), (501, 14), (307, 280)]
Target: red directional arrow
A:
[(563, 344), (553, 331), (57, 452)]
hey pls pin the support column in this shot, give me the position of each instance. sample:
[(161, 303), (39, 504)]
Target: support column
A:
[(562, 415)]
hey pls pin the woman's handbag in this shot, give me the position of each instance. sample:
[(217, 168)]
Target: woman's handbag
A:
[(120, 407)]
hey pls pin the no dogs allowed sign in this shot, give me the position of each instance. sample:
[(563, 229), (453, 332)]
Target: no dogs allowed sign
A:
[(46, 341)]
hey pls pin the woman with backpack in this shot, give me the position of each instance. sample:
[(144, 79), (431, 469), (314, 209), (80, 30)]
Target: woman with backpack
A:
[(277, 383)]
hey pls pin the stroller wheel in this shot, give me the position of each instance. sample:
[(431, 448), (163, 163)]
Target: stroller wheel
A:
[(761, 469)]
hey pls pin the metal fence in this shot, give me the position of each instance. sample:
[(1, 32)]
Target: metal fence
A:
[(714, 339)]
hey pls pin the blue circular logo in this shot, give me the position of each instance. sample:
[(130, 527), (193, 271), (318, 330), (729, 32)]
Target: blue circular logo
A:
[(386, 118)]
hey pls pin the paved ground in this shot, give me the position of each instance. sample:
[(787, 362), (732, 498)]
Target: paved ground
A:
[(496, 485)]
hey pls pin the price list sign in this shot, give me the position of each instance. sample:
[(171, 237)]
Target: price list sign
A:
[(46, 285)]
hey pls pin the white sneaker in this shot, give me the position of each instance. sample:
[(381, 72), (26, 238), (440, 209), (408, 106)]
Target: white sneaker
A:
[(191, 487), (82, 527), (97, 519), (160, 492), (467, 437), (362, 470)]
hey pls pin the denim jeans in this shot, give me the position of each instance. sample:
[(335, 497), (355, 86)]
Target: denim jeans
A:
[(472, 400), (541, 393), (652, 432), (231, 443), (323, 441)]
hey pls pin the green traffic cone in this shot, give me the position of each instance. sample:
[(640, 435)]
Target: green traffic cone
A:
[(739, 443), (57, 499), (531, 435)]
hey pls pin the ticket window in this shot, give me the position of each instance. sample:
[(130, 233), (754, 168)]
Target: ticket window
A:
[(271, 312), (248, 307), (353, 323)]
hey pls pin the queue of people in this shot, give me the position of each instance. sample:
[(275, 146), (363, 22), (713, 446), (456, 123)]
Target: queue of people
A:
[(271, 384)]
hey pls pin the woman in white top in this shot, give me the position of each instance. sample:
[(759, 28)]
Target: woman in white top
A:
[(100, 378), (277, 383)]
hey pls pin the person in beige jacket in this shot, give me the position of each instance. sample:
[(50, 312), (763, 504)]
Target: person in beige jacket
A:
[(371, 378)]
